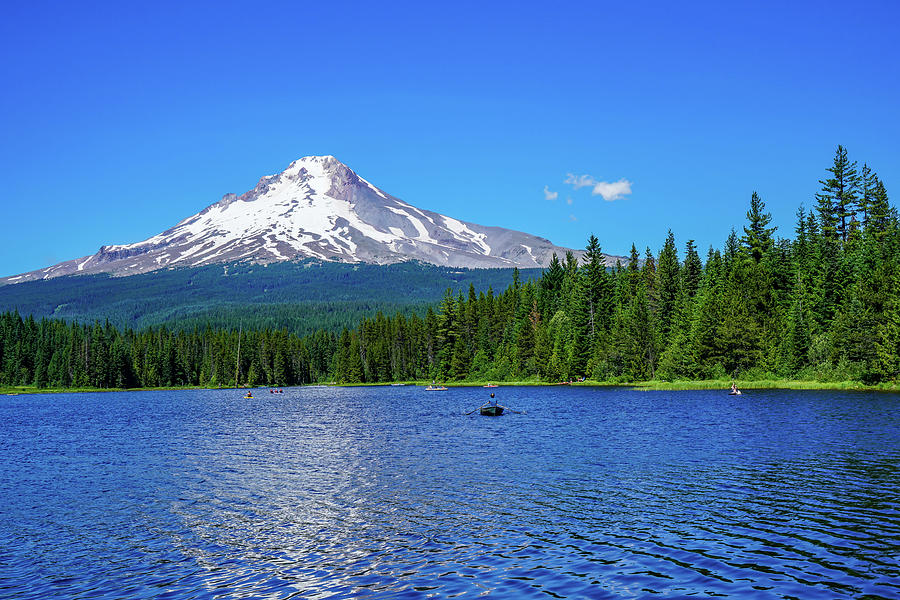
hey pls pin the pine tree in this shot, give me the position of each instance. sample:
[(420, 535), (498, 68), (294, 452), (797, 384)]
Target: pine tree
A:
[(598, 288), (880, 211), (838, 198), (757, 237), (641, 331), (632, 277), (732, 248), (867, 184), (551, 284), (447, 332), (693, 270), (668, 287)]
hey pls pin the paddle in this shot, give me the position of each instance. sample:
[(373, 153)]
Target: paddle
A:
[(479, 408)]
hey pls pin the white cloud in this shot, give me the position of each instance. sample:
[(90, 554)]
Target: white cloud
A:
[(569, 200), (550, 195), (573, 218), (580, 181), (610, 191)]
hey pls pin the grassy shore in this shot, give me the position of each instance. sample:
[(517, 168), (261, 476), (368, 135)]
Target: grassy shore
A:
[(767, 384), (708, 384), (30, 389)]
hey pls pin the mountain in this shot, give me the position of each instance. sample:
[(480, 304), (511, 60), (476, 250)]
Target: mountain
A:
[(316, 208)]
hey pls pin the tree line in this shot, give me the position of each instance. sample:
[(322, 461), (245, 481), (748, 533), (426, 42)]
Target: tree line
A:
[(823, 306)]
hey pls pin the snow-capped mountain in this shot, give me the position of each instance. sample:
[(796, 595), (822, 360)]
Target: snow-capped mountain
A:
[(316, 208)]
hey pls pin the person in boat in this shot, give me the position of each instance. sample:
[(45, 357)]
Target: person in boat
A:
[(734, 389)]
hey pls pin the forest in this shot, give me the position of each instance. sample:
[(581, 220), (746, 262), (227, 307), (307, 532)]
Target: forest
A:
[(822, 305), (299, 296)]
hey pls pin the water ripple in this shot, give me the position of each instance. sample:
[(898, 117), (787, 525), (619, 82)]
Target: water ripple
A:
[(376, 492)]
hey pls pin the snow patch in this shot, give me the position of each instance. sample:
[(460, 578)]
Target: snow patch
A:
[(460, 229), (420, 227)]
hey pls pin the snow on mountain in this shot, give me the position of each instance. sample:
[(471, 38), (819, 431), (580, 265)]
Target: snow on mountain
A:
[(316, 208)]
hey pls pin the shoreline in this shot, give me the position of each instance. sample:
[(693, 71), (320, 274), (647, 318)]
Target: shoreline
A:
[(696, 385)]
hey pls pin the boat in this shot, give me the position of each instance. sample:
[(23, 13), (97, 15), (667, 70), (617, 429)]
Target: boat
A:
[(491, 385), (435, 388), (735, 393), (248, 395), (491, 410)]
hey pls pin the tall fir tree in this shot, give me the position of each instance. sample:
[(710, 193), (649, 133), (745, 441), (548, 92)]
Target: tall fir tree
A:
[(669, 284), (757, 237), (837, 201)]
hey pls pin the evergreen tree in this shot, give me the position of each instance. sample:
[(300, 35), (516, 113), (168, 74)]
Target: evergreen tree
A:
[(880, 211), (867, 185), (641, 331), (598, 289), (693, 270), (838, 198), (757, 237), (668, 287), (447, 332), (551, 286)]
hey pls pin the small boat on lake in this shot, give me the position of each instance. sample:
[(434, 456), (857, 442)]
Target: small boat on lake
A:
[(491, 410), (491, 385), (435, 388)]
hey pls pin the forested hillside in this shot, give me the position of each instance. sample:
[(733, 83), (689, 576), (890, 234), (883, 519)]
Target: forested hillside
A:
[(824, 305), (301, 297)]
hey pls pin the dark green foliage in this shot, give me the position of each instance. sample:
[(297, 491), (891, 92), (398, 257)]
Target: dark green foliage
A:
[(669, 287), (838, 198), (757, 236), (301, 297), (693, 269)]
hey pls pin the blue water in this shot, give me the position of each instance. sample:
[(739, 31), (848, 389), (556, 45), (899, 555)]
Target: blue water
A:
[(395, 493)]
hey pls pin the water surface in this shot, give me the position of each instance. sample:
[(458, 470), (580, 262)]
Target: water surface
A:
[(395, 493)]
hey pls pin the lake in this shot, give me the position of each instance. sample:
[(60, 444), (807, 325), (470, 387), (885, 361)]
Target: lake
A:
[(393, 492)]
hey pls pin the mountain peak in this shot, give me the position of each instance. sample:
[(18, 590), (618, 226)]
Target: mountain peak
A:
[(324, 164), (316, 208)]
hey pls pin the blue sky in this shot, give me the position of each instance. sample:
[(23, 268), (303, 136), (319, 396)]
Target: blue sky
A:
[(119, 120)]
